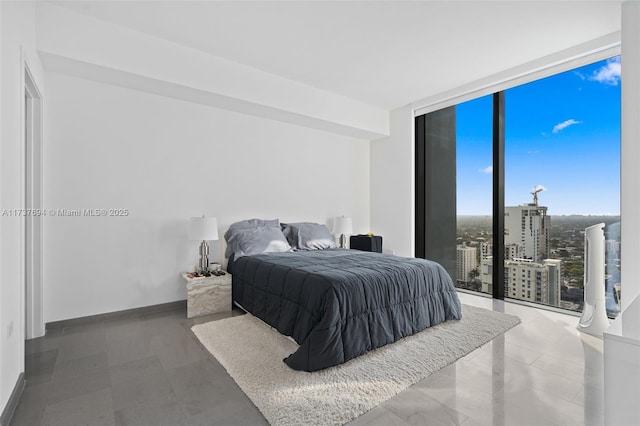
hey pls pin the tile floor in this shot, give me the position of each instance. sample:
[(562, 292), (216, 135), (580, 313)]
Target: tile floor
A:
[(150, 370)]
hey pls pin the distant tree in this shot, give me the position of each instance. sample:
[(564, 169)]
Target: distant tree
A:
[(474, 273)]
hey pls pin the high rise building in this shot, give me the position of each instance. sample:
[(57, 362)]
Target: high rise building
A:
[(511, 251), (528, 226), (612, 248), (554, 280), (527, 280), (486, 250), (486, 275), (532, 281), (467, 261)]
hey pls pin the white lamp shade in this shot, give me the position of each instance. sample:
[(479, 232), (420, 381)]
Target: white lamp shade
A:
[(203, 228), (342, 225)]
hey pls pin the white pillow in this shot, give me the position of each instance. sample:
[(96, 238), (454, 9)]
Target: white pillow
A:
[(263, 239), (246, 224), (308, 236)]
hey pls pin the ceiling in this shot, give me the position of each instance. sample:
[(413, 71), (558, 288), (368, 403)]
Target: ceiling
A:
[(384, 53)]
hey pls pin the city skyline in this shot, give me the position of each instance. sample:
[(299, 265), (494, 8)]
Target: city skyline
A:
[(562, 133)]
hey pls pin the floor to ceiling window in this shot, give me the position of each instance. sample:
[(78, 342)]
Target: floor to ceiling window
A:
[(562, 175), (556, 142), (474, 189)]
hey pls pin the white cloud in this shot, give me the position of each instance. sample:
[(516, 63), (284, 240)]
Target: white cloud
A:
[(565, 124), (487, 170), (539, 188), (608, 74)]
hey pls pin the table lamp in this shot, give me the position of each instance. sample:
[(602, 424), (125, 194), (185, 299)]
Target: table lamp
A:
[(203, 229), (342, 226)]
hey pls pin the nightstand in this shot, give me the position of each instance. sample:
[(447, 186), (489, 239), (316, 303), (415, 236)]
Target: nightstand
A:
[(208, 295)]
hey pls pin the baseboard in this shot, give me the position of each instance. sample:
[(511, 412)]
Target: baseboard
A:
[(145, 310), (12, 403)]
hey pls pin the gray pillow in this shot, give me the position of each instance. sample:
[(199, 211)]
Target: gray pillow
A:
[(246, 224), (263, 239), (308, 236)]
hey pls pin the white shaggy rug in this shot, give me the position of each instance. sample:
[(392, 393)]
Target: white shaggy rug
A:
[(252, 354)]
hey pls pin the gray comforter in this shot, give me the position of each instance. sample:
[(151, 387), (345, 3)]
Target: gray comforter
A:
[(338, 304)]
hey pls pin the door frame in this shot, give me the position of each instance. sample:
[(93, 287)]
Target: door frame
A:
[(31, 192)]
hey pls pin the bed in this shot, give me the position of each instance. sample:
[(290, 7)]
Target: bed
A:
[(338, 304)]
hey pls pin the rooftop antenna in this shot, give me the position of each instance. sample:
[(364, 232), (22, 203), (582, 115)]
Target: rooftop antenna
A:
[(535, 191)]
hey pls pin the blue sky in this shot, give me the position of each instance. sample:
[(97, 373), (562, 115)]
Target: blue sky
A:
[(562, 133)]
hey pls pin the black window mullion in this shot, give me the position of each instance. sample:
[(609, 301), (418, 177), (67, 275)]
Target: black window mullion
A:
[(498, 196), (420, 209)]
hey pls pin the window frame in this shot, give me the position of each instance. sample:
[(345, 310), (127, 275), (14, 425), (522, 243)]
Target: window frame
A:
[(497, 90)]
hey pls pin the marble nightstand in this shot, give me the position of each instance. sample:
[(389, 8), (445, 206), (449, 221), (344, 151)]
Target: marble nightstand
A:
[(208, 295)]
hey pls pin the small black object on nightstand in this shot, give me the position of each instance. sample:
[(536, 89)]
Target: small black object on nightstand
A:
[(366, 242)]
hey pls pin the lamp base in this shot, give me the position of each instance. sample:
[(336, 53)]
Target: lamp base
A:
[(203, 263), (343, 241)]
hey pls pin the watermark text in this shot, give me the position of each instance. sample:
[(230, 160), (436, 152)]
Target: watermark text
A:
[(84, 212)]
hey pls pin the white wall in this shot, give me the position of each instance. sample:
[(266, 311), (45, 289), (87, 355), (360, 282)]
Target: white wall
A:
[(392, 185), (630, 200), (622, 338), (167, 160), (18, 44)]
